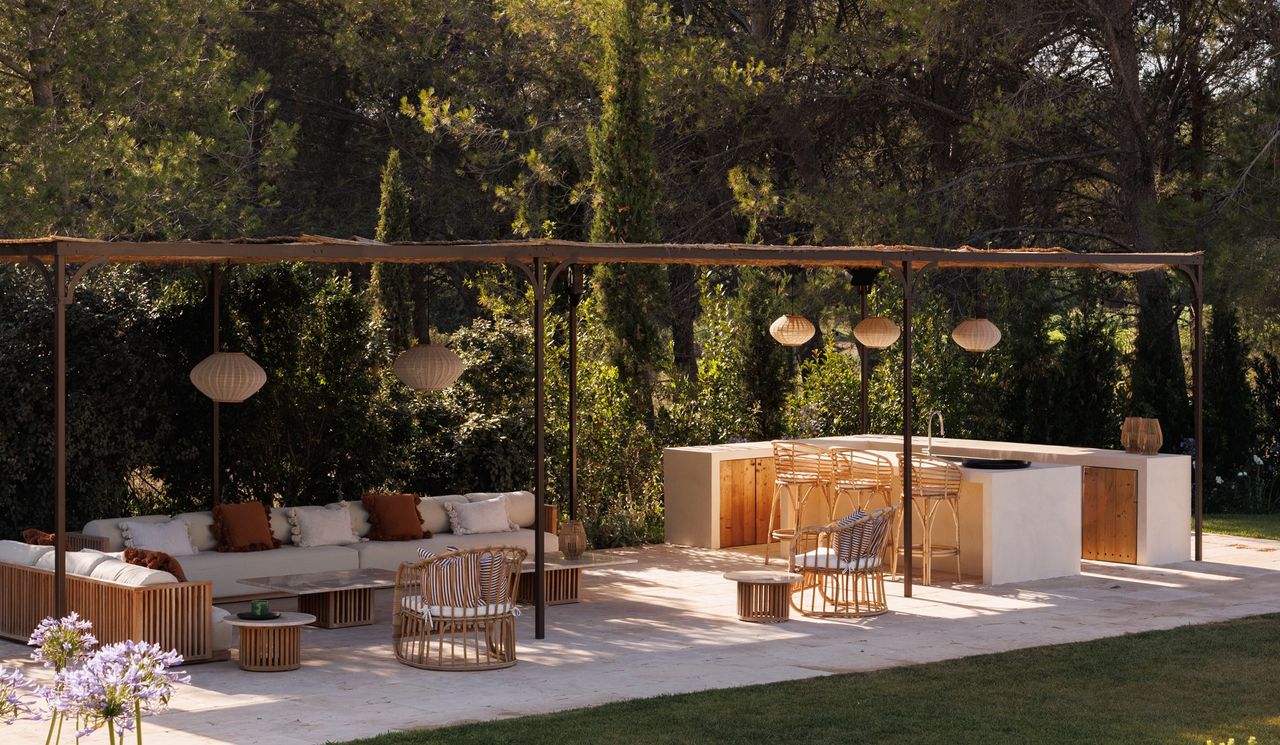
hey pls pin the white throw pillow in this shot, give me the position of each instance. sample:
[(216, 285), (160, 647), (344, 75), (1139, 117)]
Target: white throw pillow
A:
[(172, 537), (489, 516), (321, 526)]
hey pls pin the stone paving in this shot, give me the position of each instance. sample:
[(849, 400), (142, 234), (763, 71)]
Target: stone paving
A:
[(668, 624)]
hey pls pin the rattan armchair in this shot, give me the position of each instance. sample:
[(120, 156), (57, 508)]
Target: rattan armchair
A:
[(843, 567), (456, 611)]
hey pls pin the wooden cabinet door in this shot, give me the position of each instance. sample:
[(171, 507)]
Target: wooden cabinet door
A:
[(746, 488), (1109, 523)]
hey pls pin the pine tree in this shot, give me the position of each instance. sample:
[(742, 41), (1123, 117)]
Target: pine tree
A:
[(390, 284), (624, 176)]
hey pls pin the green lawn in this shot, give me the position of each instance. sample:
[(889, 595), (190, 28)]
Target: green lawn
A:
[(1181, 686), (1249, 526)]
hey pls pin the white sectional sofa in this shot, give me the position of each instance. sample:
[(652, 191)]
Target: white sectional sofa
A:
[(224, 569)]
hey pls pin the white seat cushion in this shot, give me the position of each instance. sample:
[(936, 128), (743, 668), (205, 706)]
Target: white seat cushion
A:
[(224, 569), (416, 605), (825, 558)]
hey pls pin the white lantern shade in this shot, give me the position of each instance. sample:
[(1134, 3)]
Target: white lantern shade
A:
[(428, 367), (976, 335), (876, 332), (791, 330), (228, 377)]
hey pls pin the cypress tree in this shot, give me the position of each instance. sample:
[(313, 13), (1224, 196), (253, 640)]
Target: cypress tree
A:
[(390, 284), (624, 177), (1228, 410)]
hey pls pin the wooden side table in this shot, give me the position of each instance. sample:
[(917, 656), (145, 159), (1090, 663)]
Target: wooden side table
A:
[(273, 645), (764, 596)]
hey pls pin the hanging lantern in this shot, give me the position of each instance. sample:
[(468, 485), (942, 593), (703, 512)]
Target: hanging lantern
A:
[(876, 332), (228, 377), (976, 334), (428, 367), (791, 330)]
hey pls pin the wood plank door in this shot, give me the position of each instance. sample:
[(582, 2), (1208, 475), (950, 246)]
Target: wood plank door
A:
[(746, 491), (1109, 522)]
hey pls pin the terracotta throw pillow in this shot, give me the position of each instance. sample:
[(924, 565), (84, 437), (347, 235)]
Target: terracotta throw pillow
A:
[(243, 527), (37, 537), (158, 560), (394, 517)]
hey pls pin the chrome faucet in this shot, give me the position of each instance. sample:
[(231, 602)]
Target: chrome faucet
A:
[(942, 431)]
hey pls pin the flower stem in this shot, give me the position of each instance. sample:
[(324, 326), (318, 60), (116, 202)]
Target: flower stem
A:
[(52, 721), (137, 719), (111, 732)]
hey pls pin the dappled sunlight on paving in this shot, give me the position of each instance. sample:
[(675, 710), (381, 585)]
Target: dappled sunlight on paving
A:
[(668, 624)]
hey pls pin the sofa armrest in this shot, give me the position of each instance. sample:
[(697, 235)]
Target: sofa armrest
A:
[(551, 519), (77, 540)]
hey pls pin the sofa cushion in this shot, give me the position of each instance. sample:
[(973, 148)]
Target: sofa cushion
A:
[(321, 526), (434, 516), (393, 517), (224, 569), (37, 537), (280, 527), (520, 504), (172, 537), (222, 631), (390, 555), (124, 573), (487, 516), (200, 528), (78, 562), (109, 528), (243, 527), (22, 554), (158, 560)]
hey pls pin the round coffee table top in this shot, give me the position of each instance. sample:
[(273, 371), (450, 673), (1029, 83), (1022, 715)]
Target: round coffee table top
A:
[(285, 619), (763, 577)]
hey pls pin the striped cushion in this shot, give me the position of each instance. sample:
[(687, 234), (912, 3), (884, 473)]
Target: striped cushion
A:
[(452, 581), (851, 542)]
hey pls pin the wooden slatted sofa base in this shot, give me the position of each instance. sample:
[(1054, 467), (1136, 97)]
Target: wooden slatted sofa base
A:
[(175, 616)]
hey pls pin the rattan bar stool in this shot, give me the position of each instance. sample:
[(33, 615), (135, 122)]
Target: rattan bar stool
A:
[(800, 470), (934, 482), (868, 480)]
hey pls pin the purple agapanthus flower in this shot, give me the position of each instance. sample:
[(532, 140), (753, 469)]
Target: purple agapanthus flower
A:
[(14, 699), (119, 683), (62, 642), (152, 665)]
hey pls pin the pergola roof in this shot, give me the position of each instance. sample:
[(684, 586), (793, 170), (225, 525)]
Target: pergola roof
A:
[(323, 249)]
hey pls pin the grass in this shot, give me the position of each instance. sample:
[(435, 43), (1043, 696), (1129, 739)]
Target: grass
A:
[(1186, 685), (1248, 526)]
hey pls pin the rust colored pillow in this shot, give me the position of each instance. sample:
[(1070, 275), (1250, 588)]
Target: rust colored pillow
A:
[(394, 517), (37, 537), (155, 560), (243, 527)]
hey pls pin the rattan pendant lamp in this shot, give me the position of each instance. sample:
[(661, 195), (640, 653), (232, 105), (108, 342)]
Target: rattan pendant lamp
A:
[(226, 377), (427, 366)]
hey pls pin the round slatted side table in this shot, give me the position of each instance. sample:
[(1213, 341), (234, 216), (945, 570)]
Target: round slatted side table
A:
[(764, 596), (273, 645)]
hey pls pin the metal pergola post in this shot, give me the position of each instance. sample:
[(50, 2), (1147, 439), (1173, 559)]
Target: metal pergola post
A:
[(907, 292), (60, 435), (539, 447), (575, 297), (1196, 275), (215, 293)]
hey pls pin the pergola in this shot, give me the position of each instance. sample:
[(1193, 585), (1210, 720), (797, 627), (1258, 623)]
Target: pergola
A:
[(543, 261)]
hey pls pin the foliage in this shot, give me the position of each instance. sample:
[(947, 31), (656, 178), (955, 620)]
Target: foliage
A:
[(1229, 415), (390, 284)]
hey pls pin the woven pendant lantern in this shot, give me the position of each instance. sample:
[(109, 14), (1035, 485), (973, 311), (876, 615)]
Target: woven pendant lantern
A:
[(228, 377), (428, 367), (791, 330), (876, 332), (976, 335)]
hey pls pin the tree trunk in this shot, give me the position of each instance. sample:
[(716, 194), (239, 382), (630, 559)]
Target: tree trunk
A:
[(683, 284)]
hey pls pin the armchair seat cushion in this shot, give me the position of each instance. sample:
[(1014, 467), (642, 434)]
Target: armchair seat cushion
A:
[(827, 559), (418, 605)]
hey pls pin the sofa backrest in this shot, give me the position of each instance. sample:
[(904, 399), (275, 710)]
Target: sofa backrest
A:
[(520, 505), (22, 554), (109, 528)]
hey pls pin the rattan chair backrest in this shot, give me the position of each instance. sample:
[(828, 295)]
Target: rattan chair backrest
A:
[(796, 462), (933, 477)]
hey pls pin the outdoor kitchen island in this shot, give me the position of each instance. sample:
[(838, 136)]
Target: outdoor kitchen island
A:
[(1016, 525)]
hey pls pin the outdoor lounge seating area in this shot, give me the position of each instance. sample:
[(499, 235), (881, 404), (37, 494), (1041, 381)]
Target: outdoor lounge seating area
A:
[(667, 624)]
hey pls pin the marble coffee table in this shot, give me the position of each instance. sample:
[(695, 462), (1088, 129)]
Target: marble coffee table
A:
[(337, 599)]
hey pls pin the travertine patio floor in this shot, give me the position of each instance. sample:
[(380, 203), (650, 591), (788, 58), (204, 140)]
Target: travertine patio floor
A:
[(668, 625)]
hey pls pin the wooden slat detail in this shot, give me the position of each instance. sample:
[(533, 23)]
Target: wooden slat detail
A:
[(1109, 522), (765, 472), (736, 481)]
